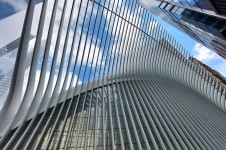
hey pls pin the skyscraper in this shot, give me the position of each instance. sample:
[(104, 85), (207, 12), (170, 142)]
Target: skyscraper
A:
[(111, 78), (7, 58), (203, 20)]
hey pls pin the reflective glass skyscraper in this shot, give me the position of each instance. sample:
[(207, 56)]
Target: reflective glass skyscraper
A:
[(203, 20), (108, 76)]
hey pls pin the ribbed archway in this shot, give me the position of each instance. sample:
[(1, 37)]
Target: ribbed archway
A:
[(122, 83)]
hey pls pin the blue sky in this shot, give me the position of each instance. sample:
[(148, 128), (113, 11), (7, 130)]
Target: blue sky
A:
[(199, 51), (203, 54)]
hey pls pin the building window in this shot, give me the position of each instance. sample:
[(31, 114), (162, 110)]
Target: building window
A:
[(175, 9), (220, 24), (168, 7), (187, 13), (179, 11), (163, 5), (224, 32)]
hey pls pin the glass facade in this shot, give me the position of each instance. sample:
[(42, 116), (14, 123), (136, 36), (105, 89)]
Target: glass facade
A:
[(8, 55), (220, 6), (7, 60), (203, 24)]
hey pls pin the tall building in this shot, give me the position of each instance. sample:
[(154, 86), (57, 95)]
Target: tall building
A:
[(203, 20), (7, 59), (111, 78), (212, 71)]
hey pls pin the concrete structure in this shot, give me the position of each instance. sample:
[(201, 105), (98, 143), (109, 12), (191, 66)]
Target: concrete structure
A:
[(122, 83), (198, 18)]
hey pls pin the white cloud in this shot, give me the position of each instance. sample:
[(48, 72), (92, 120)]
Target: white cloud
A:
[(221, 68), (17, 5), (89, 53), (55, 32), (204, 54), (210, 58)]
